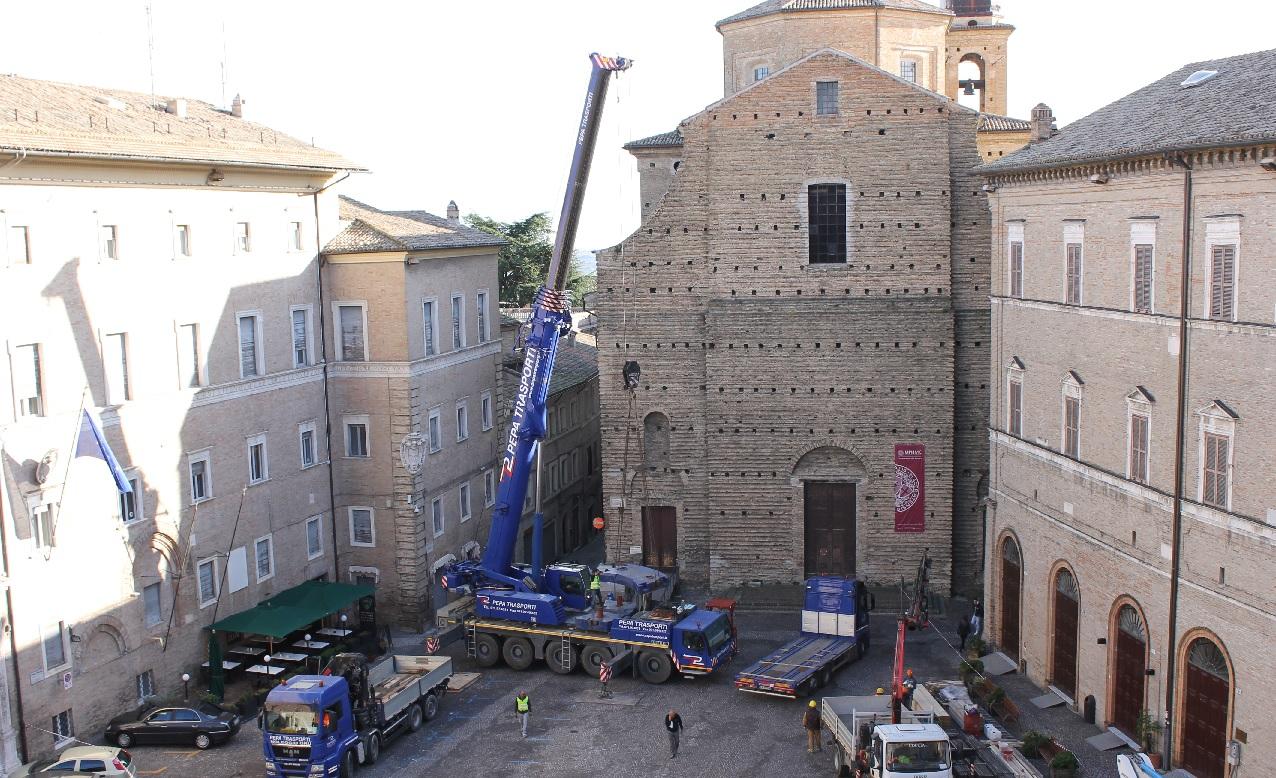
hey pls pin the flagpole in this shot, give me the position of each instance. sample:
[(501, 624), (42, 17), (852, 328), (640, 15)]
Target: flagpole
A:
[(66, 475)]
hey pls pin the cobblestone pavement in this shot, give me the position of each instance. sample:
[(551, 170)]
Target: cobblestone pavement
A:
[(574, 733)]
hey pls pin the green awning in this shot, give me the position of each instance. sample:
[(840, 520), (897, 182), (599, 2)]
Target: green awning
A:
[(294, 609)]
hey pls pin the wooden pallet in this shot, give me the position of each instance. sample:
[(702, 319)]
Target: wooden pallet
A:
[(393, 685), (460, 681)]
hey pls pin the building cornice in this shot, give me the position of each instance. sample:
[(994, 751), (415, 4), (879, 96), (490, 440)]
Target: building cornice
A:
[(1149, 161), (1159, 319), (417, 367)]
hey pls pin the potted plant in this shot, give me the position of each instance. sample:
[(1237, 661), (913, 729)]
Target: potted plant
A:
[(1064, 765), (971, 669), (1148, 730), (1032, 743), (976, 647)]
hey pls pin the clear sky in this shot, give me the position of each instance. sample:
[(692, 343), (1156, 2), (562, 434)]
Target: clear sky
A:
[(478, 101)]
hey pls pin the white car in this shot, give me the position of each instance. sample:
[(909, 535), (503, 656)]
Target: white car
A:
[(98, 761)]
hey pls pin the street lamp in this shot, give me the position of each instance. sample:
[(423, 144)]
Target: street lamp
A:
[(308, 649), (186, 679), (266, 658)]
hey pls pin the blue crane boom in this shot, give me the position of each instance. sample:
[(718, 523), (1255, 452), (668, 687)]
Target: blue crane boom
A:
[(551, 319)]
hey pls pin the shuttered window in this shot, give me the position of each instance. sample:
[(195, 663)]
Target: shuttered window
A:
[(1139, 439), (1072, 426), (431, 327), (361, 530), (352, 335), (188, 368), (1016, 269), (1073, 275), (1214, 491), (115, 361), (300, 337), (458, 321), (249, 332), (1143, 278), (1016, 407), (1223, 283), (26, 380)]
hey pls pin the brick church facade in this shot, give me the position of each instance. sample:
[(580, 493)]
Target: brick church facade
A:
[(806, 294)]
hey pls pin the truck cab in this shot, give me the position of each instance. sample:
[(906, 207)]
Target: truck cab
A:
[(570, 582), (701, 642), (308, 726), (909, 751)]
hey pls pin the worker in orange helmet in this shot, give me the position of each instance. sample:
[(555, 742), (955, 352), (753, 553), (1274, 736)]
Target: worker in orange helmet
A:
[(910, 686)]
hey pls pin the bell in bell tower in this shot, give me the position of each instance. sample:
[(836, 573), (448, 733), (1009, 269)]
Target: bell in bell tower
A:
[(975, 55)]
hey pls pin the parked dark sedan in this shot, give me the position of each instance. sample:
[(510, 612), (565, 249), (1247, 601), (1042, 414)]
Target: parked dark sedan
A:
[(203, 725)]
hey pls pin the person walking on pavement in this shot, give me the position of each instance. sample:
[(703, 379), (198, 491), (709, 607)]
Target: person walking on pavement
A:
[(523, 708), (673, 727), (811, 723), (910, 686), (963, 631), (977, 620)]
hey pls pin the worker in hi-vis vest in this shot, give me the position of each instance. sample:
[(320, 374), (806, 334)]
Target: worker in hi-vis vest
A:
[(596, 589), (523, 707)]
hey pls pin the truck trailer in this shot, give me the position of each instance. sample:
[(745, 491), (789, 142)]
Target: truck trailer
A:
[(669, 638), (325, 724), (835, 631)]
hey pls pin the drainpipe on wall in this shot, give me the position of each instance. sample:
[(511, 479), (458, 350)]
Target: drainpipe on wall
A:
[(20, 721), (1179, 443), (323, 360)]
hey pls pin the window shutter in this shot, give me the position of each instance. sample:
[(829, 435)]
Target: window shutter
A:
[(26, 369), (1222, 280), (299, 336), (1016, 269), (1143, 278), (248, 345)]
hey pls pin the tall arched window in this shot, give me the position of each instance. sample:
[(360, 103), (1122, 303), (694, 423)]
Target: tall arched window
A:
[(655, 440)]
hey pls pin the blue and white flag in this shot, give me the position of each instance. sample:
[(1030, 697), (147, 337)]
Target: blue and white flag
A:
[(90, 442)]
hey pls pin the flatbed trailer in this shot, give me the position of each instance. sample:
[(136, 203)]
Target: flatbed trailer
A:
[(835, 632), (800, 666)]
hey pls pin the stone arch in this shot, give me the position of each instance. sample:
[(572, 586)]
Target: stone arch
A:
[(1203, 656), (1009, 593), (1065, 628), (655, 440), (1129, 652), (103, 643), (972, 70), (829, 463)]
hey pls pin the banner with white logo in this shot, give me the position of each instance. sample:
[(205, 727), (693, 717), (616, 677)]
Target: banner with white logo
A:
[(910, 487)]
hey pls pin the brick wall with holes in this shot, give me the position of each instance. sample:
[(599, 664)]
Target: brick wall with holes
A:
[(756, 357)]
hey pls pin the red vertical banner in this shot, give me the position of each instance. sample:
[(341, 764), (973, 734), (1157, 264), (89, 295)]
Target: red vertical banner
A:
[(910, 487)]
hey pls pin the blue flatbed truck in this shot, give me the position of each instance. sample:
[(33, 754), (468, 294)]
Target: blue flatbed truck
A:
[(835, 632)]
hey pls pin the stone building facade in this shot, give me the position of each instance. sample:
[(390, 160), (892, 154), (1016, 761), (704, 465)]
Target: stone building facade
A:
[(571, 476), (758, 443), (160, 270), (1088, 288), (414, 349)]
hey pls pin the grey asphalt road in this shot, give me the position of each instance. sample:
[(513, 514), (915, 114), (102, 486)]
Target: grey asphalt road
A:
[(574, 733)]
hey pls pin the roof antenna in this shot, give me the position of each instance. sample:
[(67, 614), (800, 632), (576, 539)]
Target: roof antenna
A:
[(150, 48), (223, 61)]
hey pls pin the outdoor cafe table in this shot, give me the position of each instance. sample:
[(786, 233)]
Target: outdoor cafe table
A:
[(273, 670), (311, 645), (335, 632), (252, 651), (226, 664), (287, 656)]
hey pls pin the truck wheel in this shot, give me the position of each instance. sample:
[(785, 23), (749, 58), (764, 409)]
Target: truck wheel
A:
[(592, 657), (517, 653), (654, 666), (373, 751), (487, 649), (347, 764), (560, 660), (824, 677), (861, 647), (415, 718), (430, 706), (840, 768)]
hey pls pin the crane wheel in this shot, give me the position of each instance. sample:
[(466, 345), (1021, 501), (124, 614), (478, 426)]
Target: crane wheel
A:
[(592, 657), (654, 666), (560, 660), (517, 652), (487, 649)]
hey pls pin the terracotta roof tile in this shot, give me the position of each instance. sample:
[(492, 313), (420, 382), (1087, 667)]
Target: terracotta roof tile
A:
[(671, 138), (84, 121), (371, 230), (788, 6)]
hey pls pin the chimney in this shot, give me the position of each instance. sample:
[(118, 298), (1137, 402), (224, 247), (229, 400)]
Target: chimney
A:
[(453, 213), (1042, 123), (237, 107), (177, 107)]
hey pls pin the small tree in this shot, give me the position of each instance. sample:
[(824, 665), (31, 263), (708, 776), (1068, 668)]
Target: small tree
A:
[(1148, 730), (524, 261)]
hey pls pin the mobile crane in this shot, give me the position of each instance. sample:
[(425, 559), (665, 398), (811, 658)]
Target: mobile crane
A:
[(524, 613)]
